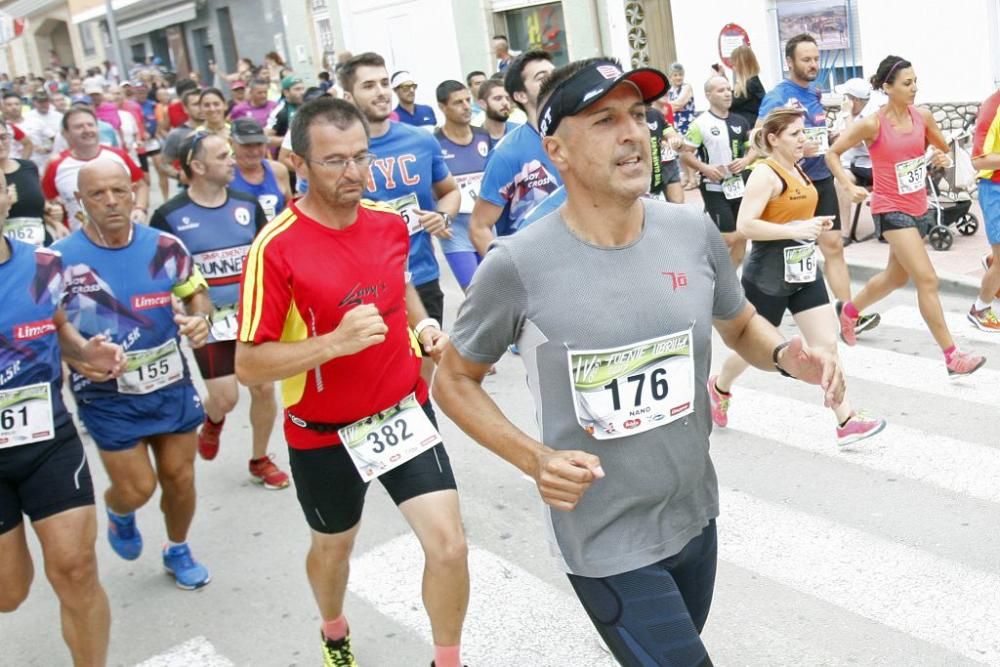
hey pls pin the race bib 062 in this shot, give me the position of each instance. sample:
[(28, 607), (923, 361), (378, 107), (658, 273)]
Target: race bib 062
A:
[(29, 230)]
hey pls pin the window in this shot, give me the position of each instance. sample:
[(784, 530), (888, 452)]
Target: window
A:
[(325, 30), (538, 27), (87, 39), (318, 4)]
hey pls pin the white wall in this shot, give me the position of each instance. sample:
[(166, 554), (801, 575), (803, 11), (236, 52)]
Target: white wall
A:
[(949, 44), (415, 35), (696, 31)]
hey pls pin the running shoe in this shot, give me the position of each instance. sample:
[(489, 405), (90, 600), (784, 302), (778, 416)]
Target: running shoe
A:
[(124, 535), (867, 323), (859, 427), (264, 471), (720, 403), (187, 572), (337, 653), (848, 326), (964, 363), (208, 438), (985, 319)]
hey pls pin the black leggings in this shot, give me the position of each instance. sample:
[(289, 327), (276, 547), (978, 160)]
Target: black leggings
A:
[(653, 616)]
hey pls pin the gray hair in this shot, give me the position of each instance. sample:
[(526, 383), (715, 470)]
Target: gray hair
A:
[(675, 67)]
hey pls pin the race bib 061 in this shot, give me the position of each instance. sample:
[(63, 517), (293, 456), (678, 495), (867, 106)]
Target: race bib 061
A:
[(628, 390), (26, 415)]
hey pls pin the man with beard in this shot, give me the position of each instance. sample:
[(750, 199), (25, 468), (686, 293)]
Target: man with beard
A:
[(797, 92), (408, 173), (495, 102)]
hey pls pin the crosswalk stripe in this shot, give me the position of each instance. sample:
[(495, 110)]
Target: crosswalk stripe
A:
[(198, 651), (954, 465), (922, 374), (931, 598), (506, 599), (908, 317)]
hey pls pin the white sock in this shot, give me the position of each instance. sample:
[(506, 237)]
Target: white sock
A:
[(981, 305), (171, 545)]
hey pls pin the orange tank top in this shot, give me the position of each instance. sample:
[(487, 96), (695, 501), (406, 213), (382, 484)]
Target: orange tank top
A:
[(797, 200)]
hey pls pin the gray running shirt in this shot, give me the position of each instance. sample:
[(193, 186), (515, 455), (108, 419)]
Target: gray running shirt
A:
[(549, 291)]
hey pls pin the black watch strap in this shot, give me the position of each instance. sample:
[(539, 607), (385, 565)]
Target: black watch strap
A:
[(774, 358)]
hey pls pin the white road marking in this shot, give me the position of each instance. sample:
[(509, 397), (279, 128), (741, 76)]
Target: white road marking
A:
[(908, 317), (931, 598), (508, 605), (198, 651), (954, 465)]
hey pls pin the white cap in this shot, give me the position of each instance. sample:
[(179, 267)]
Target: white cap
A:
[(857, 88), (399, 78)]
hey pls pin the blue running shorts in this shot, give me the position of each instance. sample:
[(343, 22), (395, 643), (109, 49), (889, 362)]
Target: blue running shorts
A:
[(120, 421), (989, 200)]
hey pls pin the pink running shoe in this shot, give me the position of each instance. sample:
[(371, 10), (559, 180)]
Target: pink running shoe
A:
[(859, 427), (848, 325), (720, 403), (964, 363)]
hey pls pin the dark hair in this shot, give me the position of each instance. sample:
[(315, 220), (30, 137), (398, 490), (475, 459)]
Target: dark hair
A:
[(324, 76), (189, 94), (184, 85), (275, 56), (561, 74), (888, 70), (323, 111), (192, 148), (793, 42), (503, 37), (211, 91), (487, 88), (471, 75), (348, 72), (513, 80), (75, 110), (11, 93), (774, 123), (260, 82), (446, 88)]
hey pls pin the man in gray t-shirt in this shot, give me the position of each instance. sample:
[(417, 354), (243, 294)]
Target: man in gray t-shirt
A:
[(611, 300)]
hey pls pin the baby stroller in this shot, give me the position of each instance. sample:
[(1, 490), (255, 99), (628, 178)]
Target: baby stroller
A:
[(949, 192)]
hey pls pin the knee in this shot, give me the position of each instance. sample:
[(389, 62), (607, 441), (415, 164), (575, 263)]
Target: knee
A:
[(136, 492), (262, 393), (225, 401), (928, 282), (179, 477), (13, 593), (831, 246), (448, 551), (332, 550), (73, 576)]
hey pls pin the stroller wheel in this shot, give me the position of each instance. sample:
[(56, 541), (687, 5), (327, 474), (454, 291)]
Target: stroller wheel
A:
[(940, 237), (967, 224)]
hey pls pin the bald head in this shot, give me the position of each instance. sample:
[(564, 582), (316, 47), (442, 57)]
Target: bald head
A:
[(104, 188), (102, 171), (719, 94)]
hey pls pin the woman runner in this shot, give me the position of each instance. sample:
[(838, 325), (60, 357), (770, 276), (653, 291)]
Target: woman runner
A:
[(781, 273), (897, 139)]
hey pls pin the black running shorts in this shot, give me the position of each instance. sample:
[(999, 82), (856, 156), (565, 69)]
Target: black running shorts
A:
[(828, 204), (216, 360), (722, 211)]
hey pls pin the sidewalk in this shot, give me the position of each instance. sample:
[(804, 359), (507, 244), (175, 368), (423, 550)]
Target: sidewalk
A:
[(959, 269)]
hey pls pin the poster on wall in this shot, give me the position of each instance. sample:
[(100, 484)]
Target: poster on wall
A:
[(539, 27), (730, 37), (826, 20)]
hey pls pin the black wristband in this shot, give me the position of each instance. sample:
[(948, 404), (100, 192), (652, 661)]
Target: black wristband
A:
[(774, 358)]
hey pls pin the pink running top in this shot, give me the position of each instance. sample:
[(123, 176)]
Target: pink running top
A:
[(898, 169)]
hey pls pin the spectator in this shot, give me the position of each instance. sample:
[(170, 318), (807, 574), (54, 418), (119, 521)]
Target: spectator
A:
[(256, 106), (748, 91)]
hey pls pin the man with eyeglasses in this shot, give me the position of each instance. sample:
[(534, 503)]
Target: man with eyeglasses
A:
[(326, 307), (218, 224), (408, 173), (408, 111)]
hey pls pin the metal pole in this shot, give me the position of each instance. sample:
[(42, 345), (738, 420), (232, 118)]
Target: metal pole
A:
[(116, 46)]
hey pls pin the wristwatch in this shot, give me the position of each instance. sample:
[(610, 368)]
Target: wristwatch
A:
[(425, 323), (774, 357), (447, 218)]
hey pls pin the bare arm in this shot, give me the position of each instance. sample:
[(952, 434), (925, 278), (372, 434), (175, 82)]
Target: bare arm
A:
[(283, 157), (484, 215), (27, 147), (447, 200), (284, 182), (934, 136), (711, 172), (142, 200), (762, 186), (687, 92), (991, 161), (96, 358)]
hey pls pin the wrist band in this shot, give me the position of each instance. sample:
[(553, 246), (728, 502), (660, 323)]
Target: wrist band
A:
[(424, 323), (774, 357)]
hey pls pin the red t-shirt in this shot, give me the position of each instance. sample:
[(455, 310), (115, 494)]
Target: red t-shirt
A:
[(176, 114), (299, 280)]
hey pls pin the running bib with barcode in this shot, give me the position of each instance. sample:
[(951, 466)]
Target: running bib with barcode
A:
[(820, 135), (29, 230), (733, 187), (631, 389), (408, 207), (224, 326), (800, 263), (910, 175), (387, 440), (468, 185), (149, 370), (26, 415)]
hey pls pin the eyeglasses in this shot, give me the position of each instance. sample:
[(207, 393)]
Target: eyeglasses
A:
[(407, 86), (340, 164)]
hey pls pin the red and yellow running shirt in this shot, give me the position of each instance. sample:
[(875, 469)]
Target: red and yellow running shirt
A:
[(299, 280), (987, 137)]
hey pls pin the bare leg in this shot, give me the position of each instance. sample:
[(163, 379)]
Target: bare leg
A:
[(263, 412), (328, 567), (174, 454), (133, 480), (882, 284), (991, 279), (16, 569), (819, 329), (223, 394), (732, 368), (737, 244), (835, 266)]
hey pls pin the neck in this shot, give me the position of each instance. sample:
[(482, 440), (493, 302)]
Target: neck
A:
[(108, 239), (334, 217), (898, 108), (602, 221), (532, 114), (378, 128), (409, 107), (207, 194), (719, 111), (786, 161), (459, 133), (799, 82), (216, 125), (87, 152), (496, 128), (252, 172)]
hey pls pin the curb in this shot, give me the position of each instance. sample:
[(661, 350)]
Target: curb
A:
[(949, 283)]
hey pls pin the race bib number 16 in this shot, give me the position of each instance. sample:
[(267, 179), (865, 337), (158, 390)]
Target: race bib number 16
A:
[(629, 390)]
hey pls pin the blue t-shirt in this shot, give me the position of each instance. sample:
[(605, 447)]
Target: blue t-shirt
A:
[(267, 192), (30, 287), (422, 115), (125, 294), (789, 94), (408, 162), (546, 206), (218, 238), (466, 164)]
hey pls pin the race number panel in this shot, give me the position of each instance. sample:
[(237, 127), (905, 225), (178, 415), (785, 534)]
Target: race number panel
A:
[(733, 187), (224, 325), (800, 263), (26, 415), (29, 230), (628, 390), (820, 135), (390, 438), (910, 175), (408, 207), (468, 185), (149, 370)]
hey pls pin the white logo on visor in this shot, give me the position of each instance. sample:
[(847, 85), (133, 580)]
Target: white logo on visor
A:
[(594, 93), (609, 71)]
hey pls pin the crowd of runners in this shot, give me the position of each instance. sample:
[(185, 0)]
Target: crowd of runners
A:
[(296, 244)]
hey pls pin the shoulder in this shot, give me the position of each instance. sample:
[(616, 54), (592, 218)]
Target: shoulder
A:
[(178, 201), (237, 195), (26, 167), (377, 210)]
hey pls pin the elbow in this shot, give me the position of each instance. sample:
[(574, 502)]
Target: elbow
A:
[(244, 372)]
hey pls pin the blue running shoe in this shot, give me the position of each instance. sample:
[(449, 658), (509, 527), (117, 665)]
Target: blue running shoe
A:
[(124, 535), (188, 573)]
